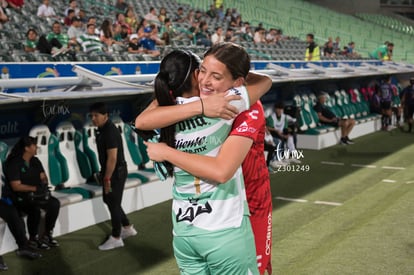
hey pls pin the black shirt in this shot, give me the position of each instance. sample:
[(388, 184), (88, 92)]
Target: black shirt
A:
[(109, 137), (18, 169), (324, 110)]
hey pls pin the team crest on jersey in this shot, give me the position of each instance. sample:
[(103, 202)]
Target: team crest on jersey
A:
[(245, 128)]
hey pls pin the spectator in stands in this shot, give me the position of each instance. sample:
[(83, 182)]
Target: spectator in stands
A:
[(162, 15), (386, 91), (152, 17), (82, 16), (236, 22), (337, 44), (68, 18), (383, 52), (259, 36), (120, 36), (212, 11), (407, 102), (121, 20), (45, 10), (32, 40), (149, 44), (11, 216), (327, 117), (89, 41), (179, 15), (93, 20), (73, 5), (198, 16), (203, 36), (229, 36), (107, 35), (247, 36), (328, 50), (312, 49), (58, 40), (75, 31), (218, 36), (141, 27), (189, 18), (283, 129), (155, 35), (220, 13), (193, 30), (168, 32), (228, 16), (131, 19), (121, 6), (351, 50), (133, 45), (27, 186), (272, 37), (114, 174)]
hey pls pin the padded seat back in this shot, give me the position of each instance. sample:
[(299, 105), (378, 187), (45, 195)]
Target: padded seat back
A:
[(89, 145), (66, 136)]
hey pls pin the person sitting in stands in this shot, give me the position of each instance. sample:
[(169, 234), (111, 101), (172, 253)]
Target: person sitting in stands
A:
[(327, 117), (89, 41), (148, 43)]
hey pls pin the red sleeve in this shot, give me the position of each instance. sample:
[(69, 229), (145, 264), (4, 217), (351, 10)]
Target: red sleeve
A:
[(249, 123)]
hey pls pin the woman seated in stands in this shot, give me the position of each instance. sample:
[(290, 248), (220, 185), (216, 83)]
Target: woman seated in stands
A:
[(26, 186)]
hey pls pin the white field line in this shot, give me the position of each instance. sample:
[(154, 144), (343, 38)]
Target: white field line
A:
[(291, 199), (393, 167), (363, 165), (332, 163), (390, 181), (409, 182), (305, 201), (328, 203)]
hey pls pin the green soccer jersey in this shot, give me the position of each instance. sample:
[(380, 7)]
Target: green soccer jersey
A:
[(201, 206)]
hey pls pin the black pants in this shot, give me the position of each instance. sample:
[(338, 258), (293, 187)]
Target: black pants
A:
[(15, 223), (51, 207), (271, 152), (114, 198)]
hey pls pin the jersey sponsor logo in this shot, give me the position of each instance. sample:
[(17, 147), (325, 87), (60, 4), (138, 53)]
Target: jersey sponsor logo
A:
[(245, 128), (192, 123), (253, 114), (193, 211), (193, 146)]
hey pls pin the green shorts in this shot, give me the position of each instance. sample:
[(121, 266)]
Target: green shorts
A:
[(230, 251)]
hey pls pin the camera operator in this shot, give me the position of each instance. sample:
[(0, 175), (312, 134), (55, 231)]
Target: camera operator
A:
[(26, 186)]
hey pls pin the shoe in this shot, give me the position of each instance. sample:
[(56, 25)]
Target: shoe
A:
[(293, 160), (111, 243), (3, 266), (349, 141), (48, 239), (128, 231), (37, 244), (28, 253), (277, 164), (343, 141)]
